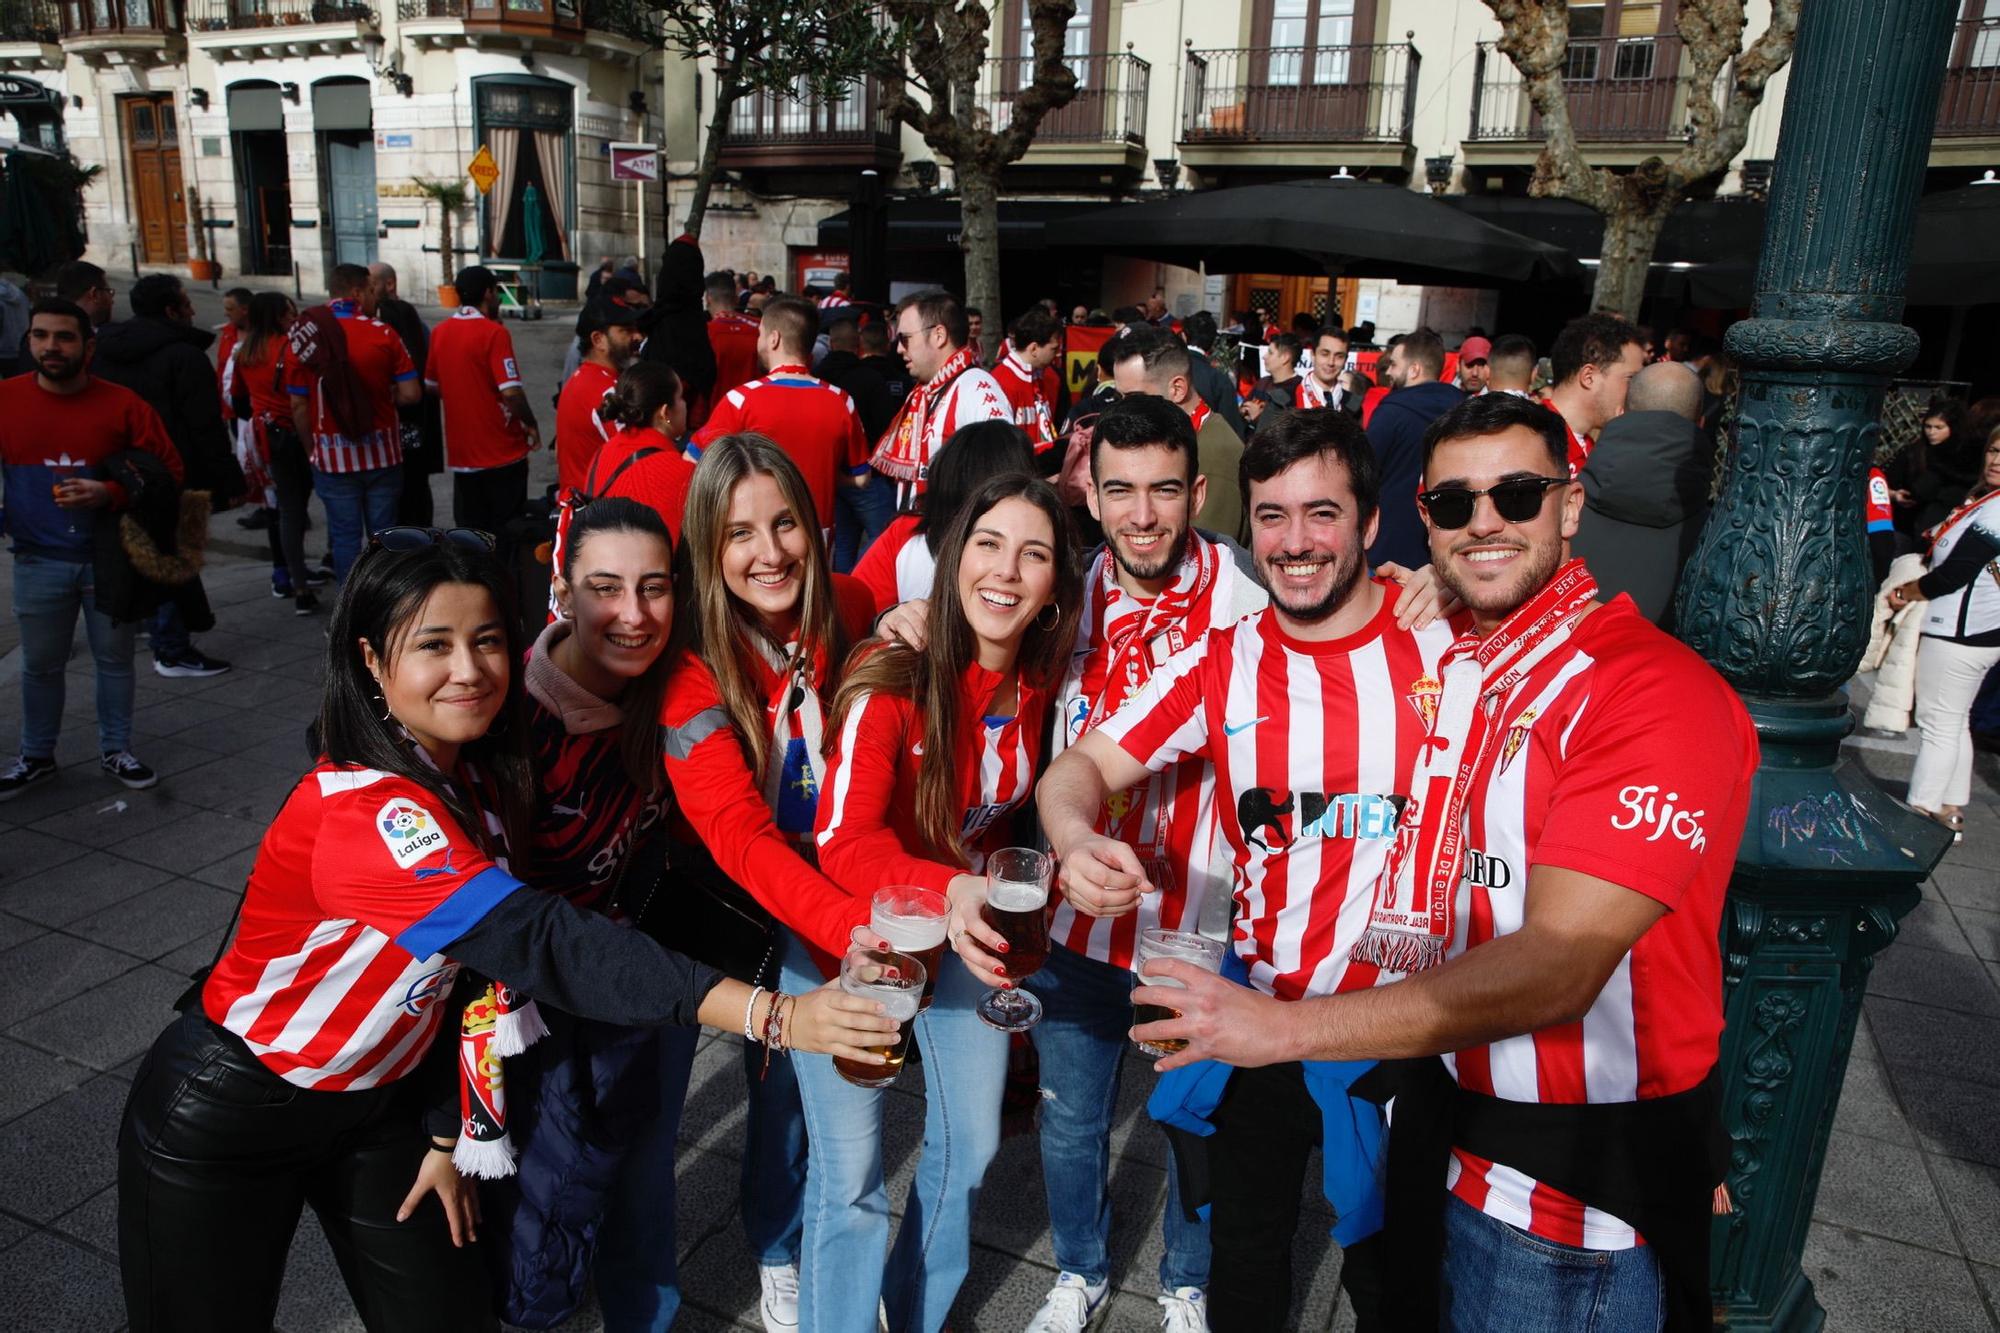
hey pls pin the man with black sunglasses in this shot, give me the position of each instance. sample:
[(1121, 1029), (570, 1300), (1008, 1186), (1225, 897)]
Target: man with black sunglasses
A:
[(1551, 902)]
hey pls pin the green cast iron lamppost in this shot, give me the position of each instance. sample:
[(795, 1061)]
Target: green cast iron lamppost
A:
[(1777, 597)]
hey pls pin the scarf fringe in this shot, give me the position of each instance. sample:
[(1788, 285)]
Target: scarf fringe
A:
[(1397, 950), (518, 1028), (488, 1159)]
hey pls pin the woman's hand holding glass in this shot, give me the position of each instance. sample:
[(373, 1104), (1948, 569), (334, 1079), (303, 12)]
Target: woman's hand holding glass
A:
[(975, 942), (827, 1021)]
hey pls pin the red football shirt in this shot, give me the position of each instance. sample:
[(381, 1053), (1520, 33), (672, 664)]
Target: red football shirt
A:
[(811, 420), (659, 480), (734, 341), (579, 430), (471, 362)]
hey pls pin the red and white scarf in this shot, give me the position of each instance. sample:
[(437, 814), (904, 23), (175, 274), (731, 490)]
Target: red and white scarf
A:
[(1411, 922), (794, 711), (1313, 394), (901, 453), (1129, 627), (1200, 414)]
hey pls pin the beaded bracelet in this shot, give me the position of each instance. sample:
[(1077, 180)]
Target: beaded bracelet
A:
[(749, 1028)]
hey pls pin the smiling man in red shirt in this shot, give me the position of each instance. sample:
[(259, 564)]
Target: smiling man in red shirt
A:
[(489, 429)]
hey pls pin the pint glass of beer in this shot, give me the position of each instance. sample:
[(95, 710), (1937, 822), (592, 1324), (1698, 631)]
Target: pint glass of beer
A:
[(896, 982), (1017, 902), (1183, 946), (913, 921)]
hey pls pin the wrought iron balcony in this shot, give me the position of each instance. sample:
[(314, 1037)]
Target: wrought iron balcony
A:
[(29, 21), (772, 131), (235, 15), (1332, 94), (1621, 90), (1109, 106), (1970, 103)]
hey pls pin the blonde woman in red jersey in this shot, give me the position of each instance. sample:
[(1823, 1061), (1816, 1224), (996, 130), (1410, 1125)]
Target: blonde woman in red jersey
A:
[(931, 753), (296, 1081), (762, 628)]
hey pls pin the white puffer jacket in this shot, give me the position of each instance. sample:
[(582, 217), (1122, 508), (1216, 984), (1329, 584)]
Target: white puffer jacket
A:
[(1892, 650)]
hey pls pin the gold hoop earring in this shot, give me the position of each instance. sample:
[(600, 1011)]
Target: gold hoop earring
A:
[(1052, 606)]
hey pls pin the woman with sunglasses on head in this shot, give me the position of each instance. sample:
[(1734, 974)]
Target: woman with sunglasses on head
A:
[(931, 752), (762, 628), (296, 1079)]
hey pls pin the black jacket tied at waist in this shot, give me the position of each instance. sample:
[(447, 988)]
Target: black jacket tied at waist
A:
[(1653, 1164)]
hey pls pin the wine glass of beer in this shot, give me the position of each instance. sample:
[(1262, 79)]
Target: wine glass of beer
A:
[(913, 921), (1017, 900), (1183, 946), (896, 982)]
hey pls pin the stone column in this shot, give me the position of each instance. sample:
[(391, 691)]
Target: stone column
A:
[(1777, 597)]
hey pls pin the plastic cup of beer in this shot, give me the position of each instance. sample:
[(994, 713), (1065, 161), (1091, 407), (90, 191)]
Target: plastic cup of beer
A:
[(913, 921), (896, 982), (1183, 946), (1017, 901)]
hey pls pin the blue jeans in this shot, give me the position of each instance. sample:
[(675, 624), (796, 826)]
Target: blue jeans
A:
[(1500, 1279), (842, 1277), (637, 1273), (47, 595), (1087, 1011), (357, 504), (859, 517), (171, 642)]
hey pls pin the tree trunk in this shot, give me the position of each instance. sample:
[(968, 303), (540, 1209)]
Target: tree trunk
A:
[(979, 234), (1630, 233), (727, 90)]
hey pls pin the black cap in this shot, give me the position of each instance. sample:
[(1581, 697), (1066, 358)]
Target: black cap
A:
[(602, 314)]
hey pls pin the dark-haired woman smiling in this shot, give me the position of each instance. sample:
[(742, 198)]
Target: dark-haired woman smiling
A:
[(383, 874)]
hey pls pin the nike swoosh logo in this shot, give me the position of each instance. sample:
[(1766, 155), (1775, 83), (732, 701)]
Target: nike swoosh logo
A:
[(1229, 730)]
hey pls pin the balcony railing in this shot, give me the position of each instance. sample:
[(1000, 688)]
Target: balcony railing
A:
[(28, 21), (764, 120), (1334, 94), (1621, 89), (113, 18), (1109, 106), (229, 15), (1970, 104)]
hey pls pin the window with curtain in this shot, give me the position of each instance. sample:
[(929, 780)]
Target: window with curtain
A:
[(1311, 35)]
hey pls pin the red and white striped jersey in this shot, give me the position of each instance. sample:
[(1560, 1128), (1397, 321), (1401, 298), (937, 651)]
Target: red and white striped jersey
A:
[(970, 397), (1171, 818), (867, 829), (897, 565), (1627, 758), (1314, 745), (1023, 388), (335, 977)]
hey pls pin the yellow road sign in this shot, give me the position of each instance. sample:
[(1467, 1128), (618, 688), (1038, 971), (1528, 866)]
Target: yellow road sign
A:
[(483, 169)]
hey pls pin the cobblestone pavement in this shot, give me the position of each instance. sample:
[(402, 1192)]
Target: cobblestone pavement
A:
[(109, 898)]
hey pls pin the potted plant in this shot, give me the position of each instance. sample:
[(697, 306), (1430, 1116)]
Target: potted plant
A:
[(450, 198), (201, 268)]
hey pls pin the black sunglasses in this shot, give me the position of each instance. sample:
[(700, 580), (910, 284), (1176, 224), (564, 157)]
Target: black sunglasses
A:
[(1517, 501), (416, 539)]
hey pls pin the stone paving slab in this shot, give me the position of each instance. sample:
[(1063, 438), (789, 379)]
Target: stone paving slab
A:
[(103, 910)]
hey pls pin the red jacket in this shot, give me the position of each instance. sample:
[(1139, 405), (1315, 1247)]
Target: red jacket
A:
[(867, 830), (722, 802)]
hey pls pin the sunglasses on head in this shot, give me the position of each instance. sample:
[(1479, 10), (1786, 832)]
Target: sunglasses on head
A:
[(1516, 501), (416, 539)]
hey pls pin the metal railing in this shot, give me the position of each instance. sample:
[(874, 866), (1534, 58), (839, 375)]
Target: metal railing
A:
[(430, 9), (1632, 89), (768, 120), (229, 15), (1970, 101), (1291, 94), (109, 18), (28, 21), (1109, 105)]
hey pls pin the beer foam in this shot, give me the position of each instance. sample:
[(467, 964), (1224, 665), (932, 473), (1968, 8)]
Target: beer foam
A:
[(901, 1004), (909, 934), (1010, 896)]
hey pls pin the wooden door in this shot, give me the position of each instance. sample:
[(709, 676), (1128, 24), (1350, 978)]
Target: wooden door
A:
[(153, 144)]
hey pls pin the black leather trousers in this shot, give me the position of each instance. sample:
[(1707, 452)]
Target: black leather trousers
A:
[(217, 1155)]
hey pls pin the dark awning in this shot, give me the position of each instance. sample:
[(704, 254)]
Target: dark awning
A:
[(1698, 231), (933, 224)]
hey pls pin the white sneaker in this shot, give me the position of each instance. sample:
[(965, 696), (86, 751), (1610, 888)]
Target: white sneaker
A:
[(1072, 1303), (780, 1306), (1184, 1310)]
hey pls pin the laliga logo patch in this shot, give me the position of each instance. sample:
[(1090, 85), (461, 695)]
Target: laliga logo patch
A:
[(1079, 713), (507, 364), (409, 832)]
